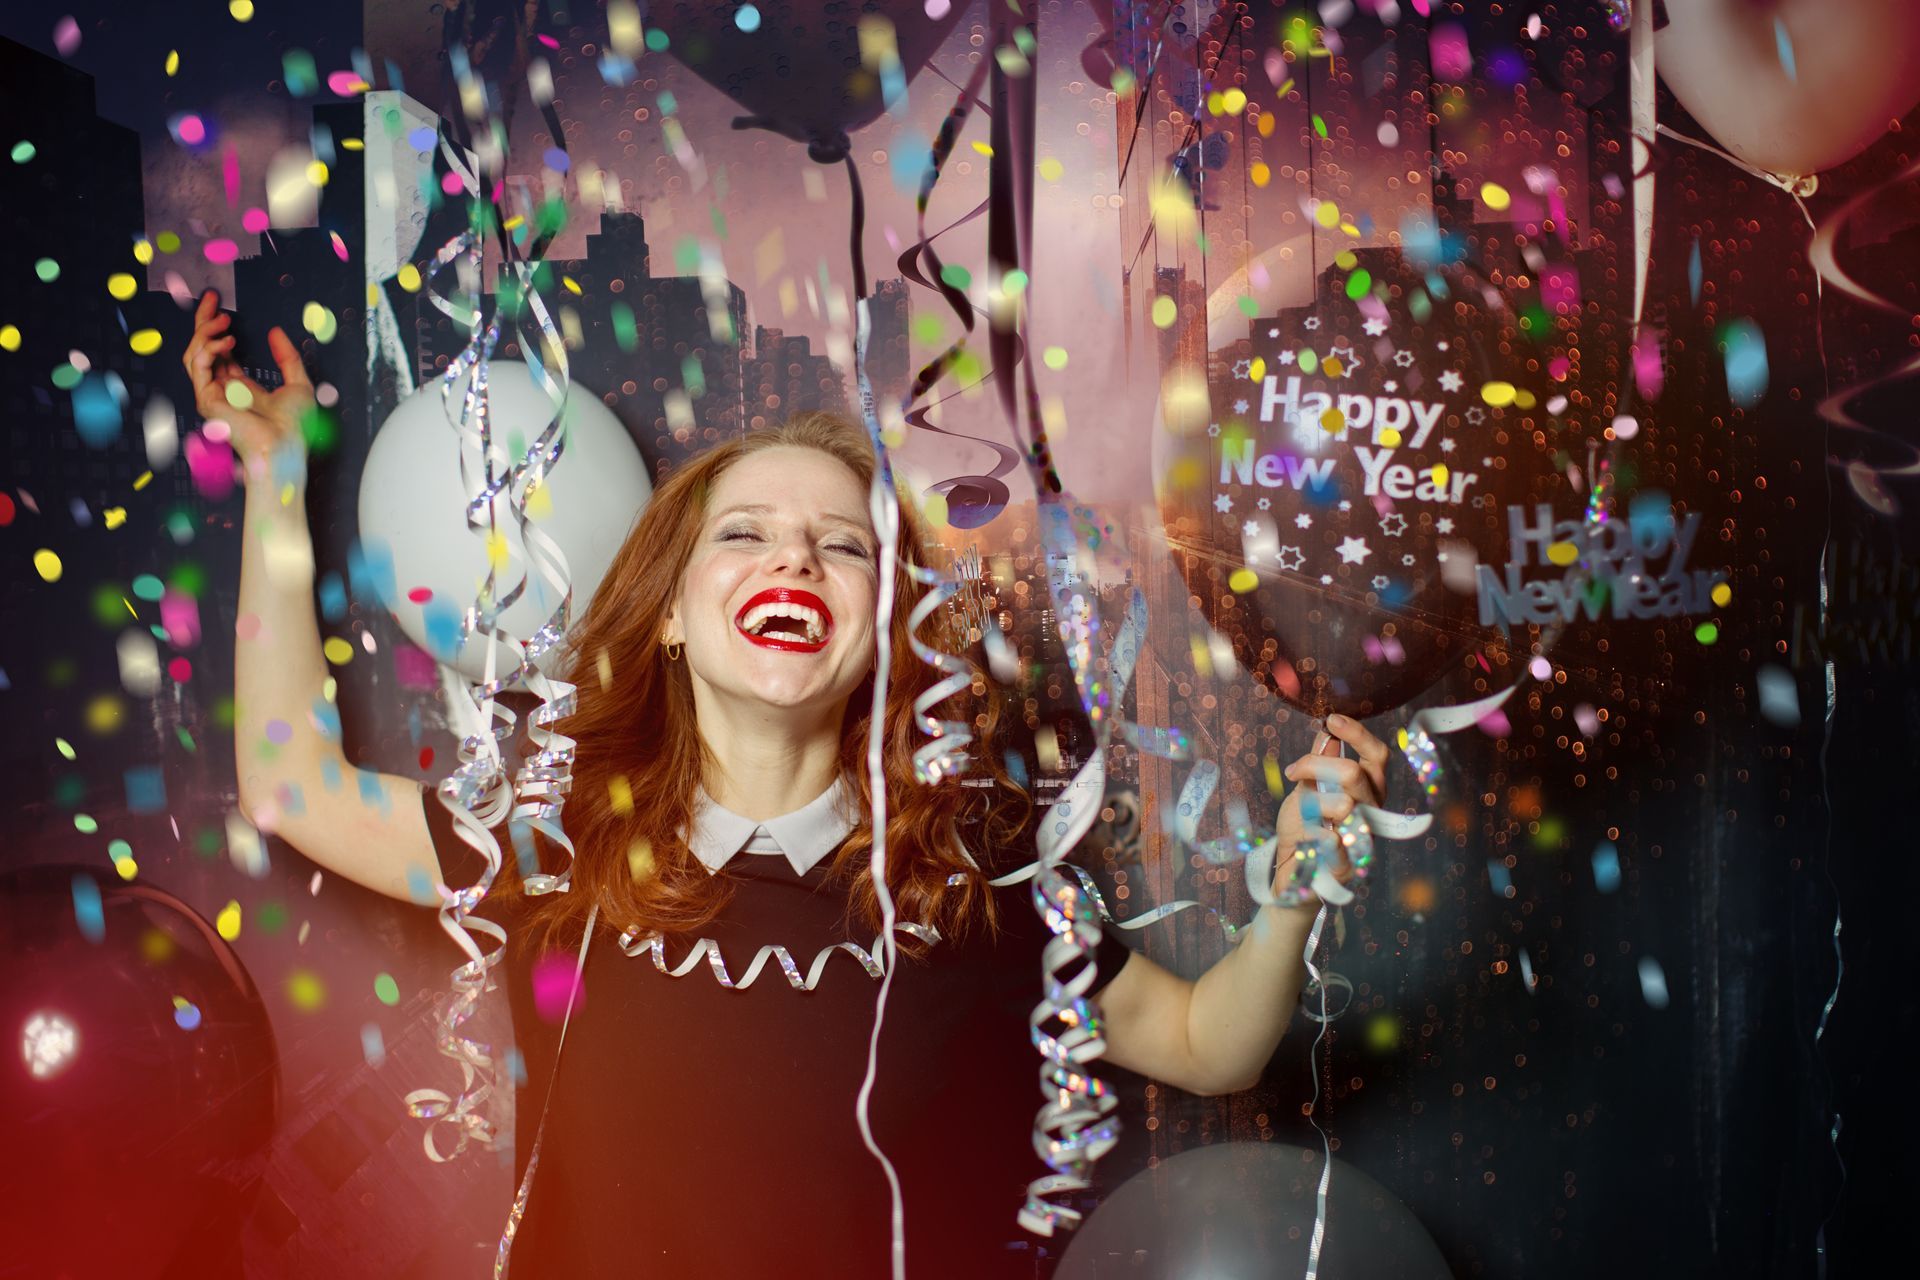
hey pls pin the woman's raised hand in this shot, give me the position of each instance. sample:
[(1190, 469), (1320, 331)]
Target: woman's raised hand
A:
[(1359, 781), (262, 420)]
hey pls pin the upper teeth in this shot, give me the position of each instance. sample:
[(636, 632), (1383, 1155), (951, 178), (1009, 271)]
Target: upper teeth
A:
[(757, 618)]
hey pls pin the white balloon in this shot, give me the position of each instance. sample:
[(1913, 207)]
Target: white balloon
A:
[(413, 504)]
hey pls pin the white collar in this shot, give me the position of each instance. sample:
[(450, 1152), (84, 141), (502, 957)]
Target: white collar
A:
[(803, 837)]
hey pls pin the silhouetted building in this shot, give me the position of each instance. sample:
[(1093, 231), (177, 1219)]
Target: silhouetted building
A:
[(785, 377)]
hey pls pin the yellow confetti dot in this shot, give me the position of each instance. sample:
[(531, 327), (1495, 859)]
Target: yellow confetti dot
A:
[(1276, 781), (1390, 438), (934, 510), (64, 747), (1333, 422), (1242, 581), (239, 395), (47, 565), (1722, 593), (242, 10), (573, 286), (1257, 371), (983, 149), (1260, 174), (144, 341), (127, 868), (1216, 103), (173, 61), (1498, 394), (1051, 169), (145, 478), (317, 173), (497, 549), (1563, 553), (1333, 366), (306, 990), (1165, 312), (1328, 214), (1440, 474), (640, 859), (338, 651), (1524, 400), (104, 714), (1265, 124), (620, 794), (1345, 259), (143, 251), (121, 285), (1054, 358), (114, 516), (410, 278), (228, 921), (10, 337), (156, 947), (352, 144), (1494, 196), (1235, 100)]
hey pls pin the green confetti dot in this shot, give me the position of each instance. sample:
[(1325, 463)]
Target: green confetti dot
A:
[(387, 989), (1055, 357), (927, 329), (167, 242), (66, 377), (1319, 126), (1359, 283), (84, 824), (1248, 307), (1706, 633), (118, 849), (1014, 283), (656, 40), (148, 587), (22, 152), (956, 275), (239, 395), (47, 269)]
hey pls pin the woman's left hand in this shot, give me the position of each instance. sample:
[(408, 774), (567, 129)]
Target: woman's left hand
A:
[(1362, 780)]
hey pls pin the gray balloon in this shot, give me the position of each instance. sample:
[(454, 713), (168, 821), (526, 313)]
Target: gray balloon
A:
[(1240, 1210)]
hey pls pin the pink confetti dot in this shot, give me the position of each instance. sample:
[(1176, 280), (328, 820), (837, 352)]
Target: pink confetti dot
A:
[(451, 184), (217, 429), (66, 37), (420, 595), (1452, 58), (221, 252), (254, 221), (181, 670), (210, 462), (247, 626), (553, 982), (279, 732), (346, 83), (193, 130)]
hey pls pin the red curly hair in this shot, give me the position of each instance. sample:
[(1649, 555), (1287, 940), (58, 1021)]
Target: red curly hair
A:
[(634, 720)]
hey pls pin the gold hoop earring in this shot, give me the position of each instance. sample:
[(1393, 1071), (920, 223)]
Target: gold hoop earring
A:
[(673, 649)]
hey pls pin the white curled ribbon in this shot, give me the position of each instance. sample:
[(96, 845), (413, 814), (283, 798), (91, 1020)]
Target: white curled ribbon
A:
[(875, 960), (478, 794)]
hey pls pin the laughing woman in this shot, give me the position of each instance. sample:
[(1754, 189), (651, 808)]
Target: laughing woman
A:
[(698, 1125)]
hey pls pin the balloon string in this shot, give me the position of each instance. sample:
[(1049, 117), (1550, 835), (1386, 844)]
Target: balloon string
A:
[(1313, 1106)]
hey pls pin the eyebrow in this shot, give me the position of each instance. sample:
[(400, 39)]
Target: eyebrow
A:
[(761, 509)]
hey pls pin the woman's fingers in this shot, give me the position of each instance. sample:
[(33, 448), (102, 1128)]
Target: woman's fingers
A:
[(1348, 775), (293, 373), (1373, 753)]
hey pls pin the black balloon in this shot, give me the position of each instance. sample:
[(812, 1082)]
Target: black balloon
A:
[(140, 1082), (799, 69), (1247, 1209), (1357, 462)]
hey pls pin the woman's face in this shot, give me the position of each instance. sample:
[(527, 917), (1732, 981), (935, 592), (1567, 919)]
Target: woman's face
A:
[(776, 605)]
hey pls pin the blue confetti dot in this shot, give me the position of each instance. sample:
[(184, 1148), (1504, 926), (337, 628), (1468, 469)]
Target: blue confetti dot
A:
[(86, 908), (556, 160), (1606, 867), (422, 139), (747, 18), (187, 1016), (1746, 352)]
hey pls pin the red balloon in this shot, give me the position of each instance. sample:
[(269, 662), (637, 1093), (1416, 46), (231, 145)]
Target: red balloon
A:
[(800, 70)]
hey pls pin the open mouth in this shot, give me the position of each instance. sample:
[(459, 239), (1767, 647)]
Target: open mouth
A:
[(786, 618)]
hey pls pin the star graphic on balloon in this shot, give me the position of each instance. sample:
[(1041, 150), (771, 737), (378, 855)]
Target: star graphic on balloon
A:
[(1348, 358), (1265, 503), (1446, 444), (1390, 386), (1354, 550), (1326, 579), (1379, 582), (1476, 415), (1242, 368), (1291, 558), (1249, 528), (1407, 560), (1451, 381), (1403, 358), (1213, 428), (1311, 322), (1223, 504), (1375, 327), (1241, 406), (1303, 521), (1443, 525), (1285, 357), (1393, 524)]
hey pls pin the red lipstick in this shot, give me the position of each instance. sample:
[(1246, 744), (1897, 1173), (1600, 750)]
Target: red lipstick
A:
[(793, 604)]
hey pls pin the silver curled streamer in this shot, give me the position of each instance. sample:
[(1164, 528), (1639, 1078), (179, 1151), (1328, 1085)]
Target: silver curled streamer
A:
[(635, 942), (478, 794)]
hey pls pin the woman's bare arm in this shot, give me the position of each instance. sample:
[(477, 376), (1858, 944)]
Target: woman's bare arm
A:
[(293, 777)]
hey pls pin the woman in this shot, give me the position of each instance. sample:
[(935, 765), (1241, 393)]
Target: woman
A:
[(725, 666)]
